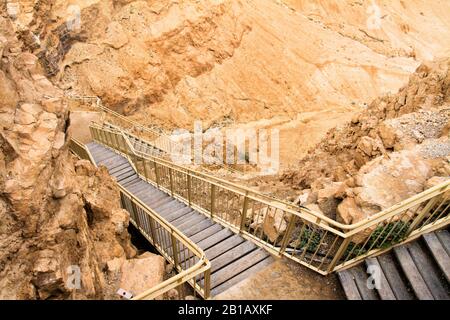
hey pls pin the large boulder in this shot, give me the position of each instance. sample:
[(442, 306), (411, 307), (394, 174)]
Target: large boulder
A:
[(143, 273), (385, 182)]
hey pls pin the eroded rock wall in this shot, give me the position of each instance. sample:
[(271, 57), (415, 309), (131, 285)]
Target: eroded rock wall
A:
[(57, 214)]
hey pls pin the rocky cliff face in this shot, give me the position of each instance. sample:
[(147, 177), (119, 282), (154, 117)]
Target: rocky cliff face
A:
[(59, 217), (393, 150)]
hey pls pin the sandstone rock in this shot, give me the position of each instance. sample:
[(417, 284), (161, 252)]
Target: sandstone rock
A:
[(385, 182), (327, 198), (274, 224), (139, 275), (348, 212), (434, 181)]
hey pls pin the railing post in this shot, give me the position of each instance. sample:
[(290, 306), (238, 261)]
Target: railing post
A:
[(156, 173), (287, 235), (431, 203), (207, 284), (339, 253), (213, 199), (144, 164), (171, 181), (174, 251), (189, 188), (244, 213)]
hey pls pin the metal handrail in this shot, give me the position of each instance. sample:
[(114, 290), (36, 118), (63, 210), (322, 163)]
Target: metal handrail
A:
[(302, 235), (166, 143), (177, 238)]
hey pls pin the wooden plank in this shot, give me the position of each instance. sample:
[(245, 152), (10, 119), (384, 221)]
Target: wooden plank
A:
[(116, 168), (211, 241), (384, 291), (173, 208), (198, 227), (155, 193), (439, 253), (430, 273), (238, 266), (137, 187), (361, 277), (183, 218), (129, 181), (197, 218), (141, 193), (123, 171), (223, 246), (148, 198), (444, 238), (197, 238), (394, 278), (242, 276), (164, 208), (157, 202), (349, 285), (412, 273), (215, 238), (232, 255), (177, 214), (125, 178), (131, 184)]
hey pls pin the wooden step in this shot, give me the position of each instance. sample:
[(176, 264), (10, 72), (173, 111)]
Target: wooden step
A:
[(444, 238), (348, 283), (384, 289), (197, 238), (439, 253), (412, 273), (361, 280), (430, 272), (223, 246), (394, 277), (214, 239), (237, 267), (242, 276)]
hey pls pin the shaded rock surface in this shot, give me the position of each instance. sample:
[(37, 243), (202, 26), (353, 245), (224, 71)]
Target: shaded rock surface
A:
[(60, 218)]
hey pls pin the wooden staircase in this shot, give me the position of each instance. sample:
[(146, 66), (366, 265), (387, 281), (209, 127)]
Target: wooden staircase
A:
[(232, 258), (417, 270)]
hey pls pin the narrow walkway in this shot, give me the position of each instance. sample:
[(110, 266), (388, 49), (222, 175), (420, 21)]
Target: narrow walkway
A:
[(416, 270), (232, 258)]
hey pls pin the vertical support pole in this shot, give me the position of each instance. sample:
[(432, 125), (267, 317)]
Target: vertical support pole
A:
[(174, 251), (207, 284), (156, 173), (144, 163), (153, 231), (339, 253), (189, 188), (287, 235), (171, 181), (244, 213), (213, 199), (423, 213)]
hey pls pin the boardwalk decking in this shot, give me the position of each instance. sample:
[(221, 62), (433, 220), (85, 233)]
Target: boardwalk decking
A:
[(232, 258), (416, 270)]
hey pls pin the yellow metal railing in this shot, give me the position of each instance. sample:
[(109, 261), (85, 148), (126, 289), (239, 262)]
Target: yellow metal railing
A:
[(162, 145), (186, 257), (302, 235)]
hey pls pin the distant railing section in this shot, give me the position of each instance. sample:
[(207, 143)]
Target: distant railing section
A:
[(298, 233), (162, 145), (186, 257)]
